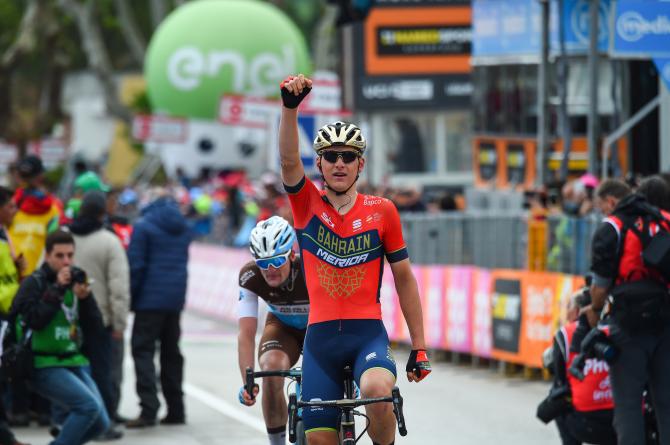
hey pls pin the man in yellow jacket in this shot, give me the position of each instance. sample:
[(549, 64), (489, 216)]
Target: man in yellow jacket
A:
[(37, 213), (11, 265), (10, 272)]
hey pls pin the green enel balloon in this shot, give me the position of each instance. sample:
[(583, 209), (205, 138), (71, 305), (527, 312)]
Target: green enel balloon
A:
[(209, 48)]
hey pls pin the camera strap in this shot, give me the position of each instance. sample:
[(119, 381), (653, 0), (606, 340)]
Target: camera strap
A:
[(71, 313)]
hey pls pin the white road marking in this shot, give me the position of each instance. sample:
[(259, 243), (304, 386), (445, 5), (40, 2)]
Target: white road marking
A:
[(227, 409)]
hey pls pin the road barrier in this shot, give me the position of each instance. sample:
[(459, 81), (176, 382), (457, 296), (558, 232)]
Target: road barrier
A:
[(504, 314)]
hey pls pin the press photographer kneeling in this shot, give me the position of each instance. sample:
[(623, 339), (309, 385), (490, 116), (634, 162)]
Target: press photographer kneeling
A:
[(55, 308), (582, 407), (631, 261)]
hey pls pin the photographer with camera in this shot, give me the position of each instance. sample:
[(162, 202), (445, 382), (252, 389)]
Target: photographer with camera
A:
[(55, 307), (623, 266), (582, 408)]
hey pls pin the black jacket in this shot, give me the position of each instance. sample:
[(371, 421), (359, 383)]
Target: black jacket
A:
[(38, 301)]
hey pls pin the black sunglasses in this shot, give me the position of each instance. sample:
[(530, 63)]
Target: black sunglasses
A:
[(347, 156)]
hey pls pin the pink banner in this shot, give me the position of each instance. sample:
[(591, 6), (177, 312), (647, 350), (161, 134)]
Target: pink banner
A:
[(391, 314), (481, 313), (433, 305), (213, 280), (458, 324)]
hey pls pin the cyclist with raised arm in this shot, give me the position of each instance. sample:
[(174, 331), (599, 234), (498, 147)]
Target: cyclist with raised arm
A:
[(343, 237), (276, 277)]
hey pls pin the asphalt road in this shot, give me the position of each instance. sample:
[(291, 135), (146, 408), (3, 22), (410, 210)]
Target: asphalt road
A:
[(456, 404)]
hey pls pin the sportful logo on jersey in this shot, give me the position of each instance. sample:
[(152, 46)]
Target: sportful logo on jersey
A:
[(370, 356), (357, 224)]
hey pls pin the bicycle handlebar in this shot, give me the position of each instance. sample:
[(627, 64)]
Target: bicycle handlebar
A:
[(295, 373), (395, 398)]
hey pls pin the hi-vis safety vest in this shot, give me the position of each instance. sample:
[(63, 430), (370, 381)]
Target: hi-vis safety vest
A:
[(594, 392)]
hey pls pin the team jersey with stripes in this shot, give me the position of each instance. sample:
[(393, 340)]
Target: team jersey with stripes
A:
[(343, 255)]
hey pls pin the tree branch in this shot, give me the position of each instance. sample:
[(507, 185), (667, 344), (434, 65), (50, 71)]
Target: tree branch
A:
[(158, 12), (131, 32), (96, 53), (26, 38)]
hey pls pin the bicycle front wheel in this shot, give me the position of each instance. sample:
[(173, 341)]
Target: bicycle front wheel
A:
[(300, 438)]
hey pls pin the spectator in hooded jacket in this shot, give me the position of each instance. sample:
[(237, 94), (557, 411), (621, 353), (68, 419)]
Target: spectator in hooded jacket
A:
[(101, 254), (37, 213), (158, 255), (37, 216)]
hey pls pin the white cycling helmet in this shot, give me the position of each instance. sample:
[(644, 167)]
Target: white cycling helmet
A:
[(271, 237), (339, 134)]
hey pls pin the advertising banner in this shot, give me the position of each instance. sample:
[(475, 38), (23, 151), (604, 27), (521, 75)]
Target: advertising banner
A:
[(433, 297), (503, 28), (410, 55), (458, 309), (213, 280), (642, 28), (506, 315), (391, 314), (540, 290), (481, 313)]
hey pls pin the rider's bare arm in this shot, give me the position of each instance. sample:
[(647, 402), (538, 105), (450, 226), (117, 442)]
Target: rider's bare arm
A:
[(289, 152), (246, 344)]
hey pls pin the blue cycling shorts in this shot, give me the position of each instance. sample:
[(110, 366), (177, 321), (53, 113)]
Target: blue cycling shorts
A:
[(329, 347)]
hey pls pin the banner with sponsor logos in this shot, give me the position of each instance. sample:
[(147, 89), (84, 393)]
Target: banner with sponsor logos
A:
[(409, 55), (642, 28), (512, 28), (509, 315), (482, 337), (457, 327)]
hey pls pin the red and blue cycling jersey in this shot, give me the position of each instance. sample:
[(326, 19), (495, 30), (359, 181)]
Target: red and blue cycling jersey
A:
[(343, 255)]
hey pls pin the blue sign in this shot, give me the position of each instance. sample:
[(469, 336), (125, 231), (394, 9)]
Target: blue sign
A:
[(642, 28), (513, 27), (576, 22), (306, 133), (663, 66)]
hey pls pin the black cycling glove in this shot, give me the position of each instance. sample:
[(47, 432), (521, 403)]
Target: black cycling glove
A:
[(418, 364), (289, 99)]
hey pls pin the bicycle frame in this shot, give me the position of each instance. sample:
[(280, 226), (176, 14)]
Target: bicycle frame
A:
[(347, 407)]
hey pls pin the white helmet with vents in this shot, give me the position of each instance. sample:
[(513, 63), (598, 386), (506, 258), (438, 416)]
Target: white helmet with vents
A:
[(271, 237), (339, 134)]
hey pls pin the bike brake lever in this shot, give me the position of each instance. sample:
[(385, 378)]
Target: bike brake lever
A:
[(397, 410), (250, 384), (292, 417)]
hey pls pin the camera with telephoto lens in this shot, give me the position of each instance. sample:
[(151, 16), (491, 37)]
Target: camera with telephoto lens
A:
[(78, 276), (555, 404), (596, 344)]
